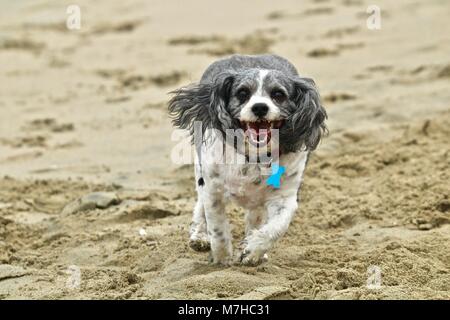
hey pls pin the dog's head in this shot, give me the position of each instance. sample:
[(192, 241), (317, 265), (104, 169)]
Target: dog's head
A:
[(255, 101)]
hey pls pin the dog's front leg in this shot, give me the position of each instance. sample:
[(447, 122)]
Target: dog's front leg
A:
[(279, 215), (217, 223)]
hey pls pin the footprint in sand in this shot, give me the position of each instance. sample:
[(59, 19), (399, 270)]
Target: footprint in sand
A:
[(48, 124), (422, 73), (160, 80), (38, 132), (322, 52), (341, 32), (276, 15), (334, 97), (279, 15), (139, 81), (318, 11), (257, 42), (23, 45), (124, 26), (331, 52), (380, 68), (22, 157), (28, 141)]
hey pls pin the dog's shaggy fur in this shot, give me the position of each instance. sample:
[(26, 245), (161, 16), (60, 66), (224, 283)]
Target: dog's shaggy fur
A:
[(248, 95)]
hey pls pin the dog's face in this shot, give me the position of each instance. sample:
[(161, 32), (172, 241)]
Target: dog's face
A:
[(256, 101)]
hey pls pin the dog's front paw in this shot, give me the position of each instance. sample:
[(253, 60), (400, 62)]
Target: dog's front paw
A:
[(199, 244), (253, 257), (255, 246), (221, 255), (199, 240), (225, 261)]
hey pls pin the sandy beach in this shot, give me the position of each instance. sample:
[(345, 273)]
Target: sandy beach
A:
[(92, 207)]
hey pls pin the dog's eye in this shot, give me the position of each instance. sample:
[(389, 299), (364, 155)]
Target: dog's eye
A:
[(278, 96), (243, 94)]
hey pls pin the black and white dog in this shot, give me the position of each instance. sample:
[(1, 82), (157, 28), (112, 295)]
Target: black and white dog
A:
[(254, 95)]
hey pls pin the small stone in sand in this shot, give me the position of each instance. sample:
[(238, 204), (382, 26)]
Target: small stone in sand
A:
[(100, 200), (425, 226)]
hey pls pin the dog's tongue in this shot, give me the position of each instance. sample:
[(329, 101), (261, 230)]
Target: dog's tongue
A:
[(259, 132)]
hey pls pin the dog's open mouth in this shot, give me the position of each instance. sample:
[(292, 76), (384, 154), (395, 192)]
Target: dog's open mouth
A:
[(260, 132)]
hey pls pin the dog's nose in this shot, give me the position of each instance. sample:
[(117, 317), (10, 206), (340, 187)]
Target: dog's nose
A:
[(260, 109)]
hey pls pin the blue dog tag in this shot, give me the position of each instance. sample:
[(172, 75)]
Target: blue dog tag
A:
[(275, 178)]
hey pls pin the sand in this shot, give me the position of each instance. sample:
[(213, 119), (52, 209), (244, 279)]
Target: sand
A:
[(84, 125)]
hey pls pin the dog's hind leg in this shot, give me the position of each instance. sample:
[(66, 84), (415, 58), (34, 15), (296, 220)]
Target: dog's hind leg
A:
[(198, 233), (198, 239), (219, 229)]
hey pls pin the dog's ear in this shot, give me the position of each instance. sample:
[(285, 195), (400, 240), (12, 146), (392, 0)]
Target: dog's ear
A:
[(308, 118), (204, 102), (220, 98), (191, 104)]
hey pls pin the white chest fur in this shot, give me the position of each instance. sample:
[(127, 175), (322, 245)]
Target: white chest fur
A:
[(246, 184)]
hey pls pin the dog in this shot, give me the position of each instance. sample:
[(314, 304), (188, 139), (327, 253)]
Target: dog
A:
[(255, 95)]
